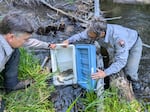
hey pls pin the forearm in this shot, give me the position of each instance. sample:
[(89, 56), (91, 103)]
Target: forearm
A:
[(115, 67), (34, 43), (78, 37)]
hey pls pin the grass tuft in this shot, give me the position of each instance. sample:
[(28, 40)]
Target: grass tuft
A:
[(34, 98)]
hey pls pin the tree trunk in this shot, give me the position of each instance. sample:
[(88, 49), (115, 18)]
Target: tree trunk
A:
[(124, 86)]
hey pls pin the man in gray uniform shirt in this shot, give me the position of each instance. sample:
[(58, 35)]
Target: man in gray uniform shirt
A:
[(15, 31), (124, 47)]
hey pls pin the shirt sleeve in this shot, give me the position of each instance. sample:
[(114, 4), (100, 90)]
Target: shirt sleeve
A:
[(34, 43), (120, 59), (78, 37), (1, 60)]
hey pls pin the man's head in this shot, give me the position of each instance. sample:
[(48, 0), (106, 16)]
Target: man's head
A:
[(97, 28), (16, 29)]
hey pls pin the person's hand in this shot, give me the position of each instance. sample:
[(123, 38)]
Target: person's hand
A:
[(52, 46), (99, 74), (66, 43)]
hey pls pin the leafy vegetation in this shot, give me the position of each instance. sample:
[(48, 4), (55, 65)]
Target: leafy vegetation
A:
[(110, 102), (34, 98)]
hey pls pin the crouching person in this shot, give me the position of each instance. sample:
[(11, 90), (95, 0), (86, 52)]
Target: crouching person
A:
[(124, 44), (15, 31)]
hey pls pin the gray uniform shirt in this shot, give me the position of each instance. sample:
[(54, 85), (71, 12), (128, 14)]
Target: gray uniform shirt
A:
[(6, 50), (118, 41)]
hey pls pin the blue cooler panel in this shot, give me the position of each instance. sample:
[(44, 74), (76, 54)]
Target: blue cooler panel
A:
[(86, 65)]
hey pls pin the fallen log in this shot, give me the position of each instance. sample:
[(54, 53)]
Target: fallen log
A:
[(125, 90), (63, 12), (120, 81)]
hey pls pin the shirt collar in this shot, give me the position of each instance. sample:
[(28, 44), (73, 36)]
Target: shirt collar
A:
[(109, 33)]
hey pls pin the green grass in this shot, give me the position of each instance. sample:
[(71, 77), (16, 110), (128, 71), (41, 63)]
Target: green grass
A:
[(111, 102), (74, 102), (34, 98)]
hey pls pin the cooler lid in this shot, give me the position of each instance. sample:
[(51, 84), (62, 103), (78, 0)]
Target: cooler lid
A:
[(86, 65)]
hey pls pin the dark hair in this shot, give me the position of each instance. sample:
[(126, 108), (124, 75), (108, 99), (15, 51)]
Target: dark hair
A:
[(15, 23), (97, 25)]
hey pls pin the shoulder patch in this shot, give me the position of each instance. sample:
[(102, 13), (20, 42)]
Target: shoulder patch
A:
[(121, 43)]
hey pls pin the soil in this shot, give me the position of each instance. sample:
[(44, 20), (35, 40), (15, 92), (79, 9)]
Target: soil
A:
[(54, 27)]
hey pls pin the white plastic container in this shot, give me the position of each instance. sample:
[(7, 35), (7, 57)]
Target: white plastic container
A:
[(64, 65)]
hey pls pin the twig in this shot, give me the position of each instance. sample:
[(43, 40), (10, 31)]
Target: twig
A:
[(65, 4), (85, 2), (38, 19), (51, 16), (113, 18), (65, 13), (146, 45), (45, 61), (83, 11)]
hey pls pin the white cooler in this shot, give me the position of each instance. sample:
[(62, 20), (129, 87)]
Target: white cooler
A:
[(74, 65), (64, 65)]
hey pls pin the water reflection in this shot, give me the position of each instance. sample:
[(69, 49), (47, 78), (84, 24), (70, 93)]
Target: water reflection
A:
[(133, 16)]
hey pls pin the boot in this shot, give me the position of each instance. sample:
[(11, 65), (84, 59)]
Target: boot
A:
[(136, 85), (21, 85)]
